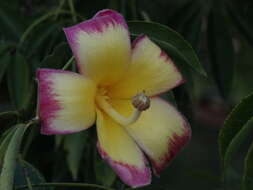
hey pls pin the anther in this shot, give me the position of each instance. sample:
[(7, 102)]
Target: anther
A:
[(141, 102)]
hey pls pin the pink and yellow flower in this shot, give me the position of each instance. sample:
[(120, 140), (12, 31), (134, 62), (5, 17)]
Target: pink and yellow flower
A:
[(112, 72)]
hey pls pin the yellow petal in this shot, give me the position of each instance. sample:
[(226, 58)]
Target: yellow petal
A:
[(151, 70), (101, 46), (121, 152), (66, 101), (161, 131)]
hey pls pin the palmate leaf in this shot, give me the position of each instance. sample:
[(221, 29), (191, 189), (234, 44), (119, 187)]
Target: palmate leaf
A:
[(192, 30), (41, 37), (221, 49), (10, 23), (19, 82), (240, 23), (74, 145), (4, 142), (10, 157), (24, 171), (4, 58), (241, 113), (236, 142), (58, 58), (8, 114), (237, 128), (103, 172), (188, 8), (189, 23), (247, 180), (170, 40)]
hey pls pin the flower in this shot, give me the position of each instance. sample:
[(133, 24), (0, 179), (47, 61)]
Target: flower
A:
[(118, 88)]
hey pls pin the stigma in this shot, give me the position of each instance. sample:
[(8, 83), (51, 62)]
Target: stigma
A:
[(140, 102)]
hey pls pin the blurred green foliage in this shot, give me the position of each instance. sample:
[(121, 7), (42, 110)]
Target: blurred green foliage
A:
[(211, 41)]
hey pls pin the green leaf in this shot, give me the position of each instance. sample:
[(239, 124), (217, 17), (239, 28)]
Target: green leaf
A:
[(32, 133), (192, 31), (5, 59), (11, 22), (6, 132), (34, 24), (74, 145), (236, 142), (4, 142), (189, 23), (58, 140), (9, 164), (170, 40), (19, 85), (8, 114), (241, 113), (247, 180), (25, 170), (240, 23), (58, 58), (37, 22), (104, 174), (41, 36), (221, 49)]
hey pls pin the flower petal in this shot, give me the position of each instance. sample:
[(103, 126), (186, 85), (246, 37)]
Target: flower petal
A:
[(161, 131), (66, 101), (101, 46), (121, 152), (151, 71)]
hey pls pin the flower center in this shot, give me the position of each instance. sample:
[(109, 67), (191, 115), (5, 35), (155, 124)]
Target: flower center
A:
[(140, 103)]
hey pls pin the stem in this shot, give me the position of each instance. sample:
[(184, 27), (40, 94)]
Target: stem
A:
[(65, 185), (145, 16), (32, 121), (37, 22), (68, 63), (9, 114), (72, 10), (30, 137), (61, 4), (28, 181), (110, 111)]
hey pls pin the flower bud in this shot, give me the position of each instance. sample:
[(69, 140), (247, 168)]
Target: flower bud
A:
[(141, 102)]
